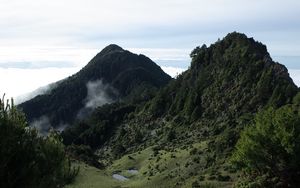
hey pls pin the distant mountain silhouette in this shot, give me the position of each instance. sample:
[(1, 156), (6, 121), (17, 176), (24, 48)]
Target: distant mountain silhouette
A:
[(122, 74)]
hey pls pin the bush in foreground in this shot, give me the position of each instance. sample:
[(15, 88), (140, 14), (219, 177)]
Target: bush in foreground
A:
[(27, 159), (268, 152)]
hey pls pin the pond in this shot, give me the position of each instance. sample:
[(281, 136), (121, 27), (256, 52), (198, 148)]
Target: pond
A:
[(119, 177)]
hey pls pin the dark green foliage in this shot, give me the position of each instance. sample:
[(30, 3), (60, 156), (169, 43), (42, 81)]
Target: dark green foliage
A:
[(28, 160), (223, 178), (99, 127), (171, 135), (117, 150), (83, 153), (223, 78), (135, 77), (205, 107), (296, 99), (227, 84), (194, 151), (268, 152), (196, 185)]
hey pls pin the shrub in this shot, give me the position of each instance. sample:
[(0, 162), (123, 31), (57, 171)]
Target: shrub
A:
[(223, 178), (83, 153), (268, 152), (27, 159)]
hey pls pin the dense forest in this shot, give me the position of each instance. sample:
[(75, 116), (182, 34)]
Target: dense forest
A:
[(231, 120)]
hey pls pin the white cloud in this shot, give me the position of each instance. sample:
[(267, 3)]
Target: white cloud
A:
[(295, 75), (43, 33), (42, 124), (172, 71), (39, 91), (97, 94), (163, 53), (82, 22), (50, 56), (15, 82)]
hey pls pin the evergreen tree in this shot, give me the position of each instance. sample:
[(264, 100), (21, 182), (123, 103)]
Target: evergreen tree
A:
[(268, 152), (27, 159)]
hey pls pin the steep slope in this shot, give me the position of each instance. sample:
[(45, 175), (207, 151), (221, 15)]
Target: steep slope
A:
[(191, 126), (120, 75), (235, 75)]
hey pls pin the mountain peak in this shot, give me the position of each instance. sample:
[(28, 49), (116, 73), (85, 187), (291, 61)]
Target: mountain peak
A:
[(114, 67), (234, 64), (111, 48), (236, 35), (240, 40)]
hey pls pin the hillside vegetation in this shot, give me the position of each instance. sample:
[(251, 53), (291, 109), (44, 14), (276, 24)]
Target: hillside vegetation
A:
[(231, 120), (112, 75), (186, 134)]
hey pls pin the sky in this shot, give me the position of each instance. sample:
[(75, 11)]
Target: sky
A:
[(43, 41)]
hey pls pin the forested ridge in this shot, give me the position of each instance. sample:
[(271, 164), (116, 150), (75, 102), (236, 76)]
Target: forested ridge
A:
[(231, 120), (228, 86)]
